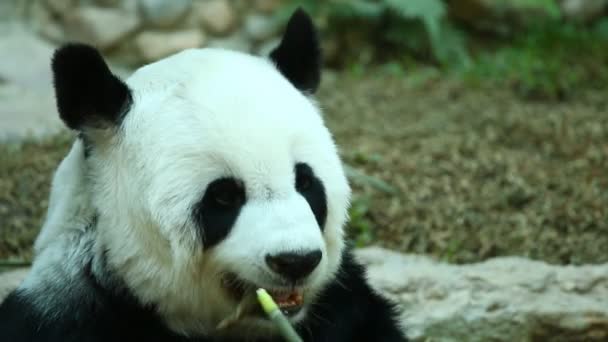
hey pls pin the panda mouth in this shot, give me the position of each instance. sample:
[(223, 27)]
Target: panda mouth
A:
[(289, 300)]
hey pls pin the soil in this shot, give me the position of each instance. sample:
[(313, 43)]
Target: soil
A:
[(479, 172)]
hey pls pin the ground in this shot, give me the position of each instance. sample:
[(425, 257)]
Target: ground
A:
[(478, 171)]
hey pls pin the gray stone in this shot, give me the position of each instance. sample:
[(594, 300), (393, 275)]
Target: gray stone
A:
[(236, 42), (44, 23), (260, 27), (27, 105), (163, 13), (19, 45), (503, 299), (10, 280), (61, 7), (108, 3), (26, 114), (216, 16), (267, 6), (583, 10), (102, 27), (266, 48), (154, 45), (11, 10)]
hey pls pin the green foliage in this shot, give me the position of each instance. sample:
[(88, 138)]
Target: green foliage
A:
[(360, 226), (549, 62), (420, 26), (548, 6)]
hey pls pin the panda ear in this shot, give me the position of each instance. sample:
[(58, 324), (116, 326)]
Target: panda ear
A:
[(88, 94), (298, 56)]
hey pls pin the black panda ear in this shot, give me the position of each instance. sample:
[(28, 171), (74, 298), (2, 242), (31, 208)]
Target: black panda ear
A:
[(88, 94), (298, 56)]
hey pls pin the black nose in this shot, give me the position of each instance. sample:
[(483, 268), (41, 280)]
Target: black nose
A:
[(294, 266)]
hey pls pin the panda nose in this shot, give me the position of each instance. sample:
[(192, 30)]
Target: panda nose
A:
[(294, 266)]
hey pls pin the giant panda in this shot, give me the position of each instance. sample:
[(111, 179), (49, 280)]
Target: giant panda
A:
[(199, 179)]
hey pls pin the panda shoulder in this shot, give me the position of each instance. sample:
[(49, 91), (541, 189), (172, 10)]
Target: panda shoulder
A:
[(69, 204), (351, 303), (54, 293)]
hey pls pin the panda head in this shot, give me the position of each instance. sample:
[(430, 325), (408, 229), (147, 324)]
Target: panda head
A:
[(211, 174)]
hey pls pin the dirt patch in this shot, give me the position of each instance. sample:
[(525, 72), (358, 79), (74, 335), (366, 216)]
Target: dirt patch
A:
[(480, 172), (25, 176)]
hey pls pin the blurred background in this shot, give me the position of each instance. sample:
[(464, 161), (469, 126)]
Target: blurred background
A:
[(470, 128)]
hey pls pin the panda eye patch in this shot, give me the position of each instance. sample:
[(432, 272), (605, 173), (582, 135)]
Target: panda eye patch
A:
[(304, 177), (219, 208), (225, 193), (313, 191)]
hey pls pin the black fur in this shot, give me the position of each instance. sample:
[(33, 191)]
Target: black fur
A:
[(88, 94), (348, 310), (218, 209), (298, 56), (311, 187)]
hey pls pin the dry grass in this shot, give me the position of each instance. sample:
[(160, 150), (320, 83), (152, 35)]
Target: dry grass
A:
[(481, 173)]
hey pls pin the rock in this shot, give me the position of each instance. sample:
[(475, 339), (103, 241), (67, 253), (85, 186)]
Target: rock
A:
[(27, 104), (102, 27), (236, 42), (266, 48), (260, 27), (10, 280), (130, 6), (503, 299), (26, 114), (108, 3), (163, 13), (61, 7), (44, 23), (267, 6), (25, 59), (154, 45), (583, 10), (216, 16), (12, 10)]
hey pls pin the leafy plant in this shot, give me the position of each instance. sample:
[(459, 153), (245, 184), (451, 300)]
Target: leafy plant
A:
[(549, 62), (420, 26), (360, 226)]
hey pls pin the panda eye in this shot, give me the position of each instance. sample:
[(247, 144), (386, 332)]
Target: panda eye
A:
[(303, 177), (226, 193)]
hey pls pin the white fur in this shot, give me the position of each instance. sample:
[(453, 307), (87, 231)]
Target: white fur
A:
[(69, 204), (197, 116)]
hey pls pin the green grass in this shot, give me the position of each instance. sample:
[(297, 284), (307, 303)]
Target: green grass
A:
[(550, 62)]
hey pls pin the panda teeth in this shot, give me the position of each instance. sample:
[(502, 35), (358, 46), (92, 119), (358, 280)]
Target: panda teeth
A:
[(286, 299)]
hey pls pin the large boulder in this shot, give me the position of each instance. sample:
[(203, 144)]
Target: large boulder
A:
[(216, 16), (154, 45), (503, 299), (101, 27), (163, 13), (10, 280), (27, 104)]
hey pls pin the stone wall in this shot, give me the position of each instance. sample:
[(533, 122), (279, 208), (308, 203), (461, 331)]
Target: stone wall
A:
[(502, 299), (135, 32)]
